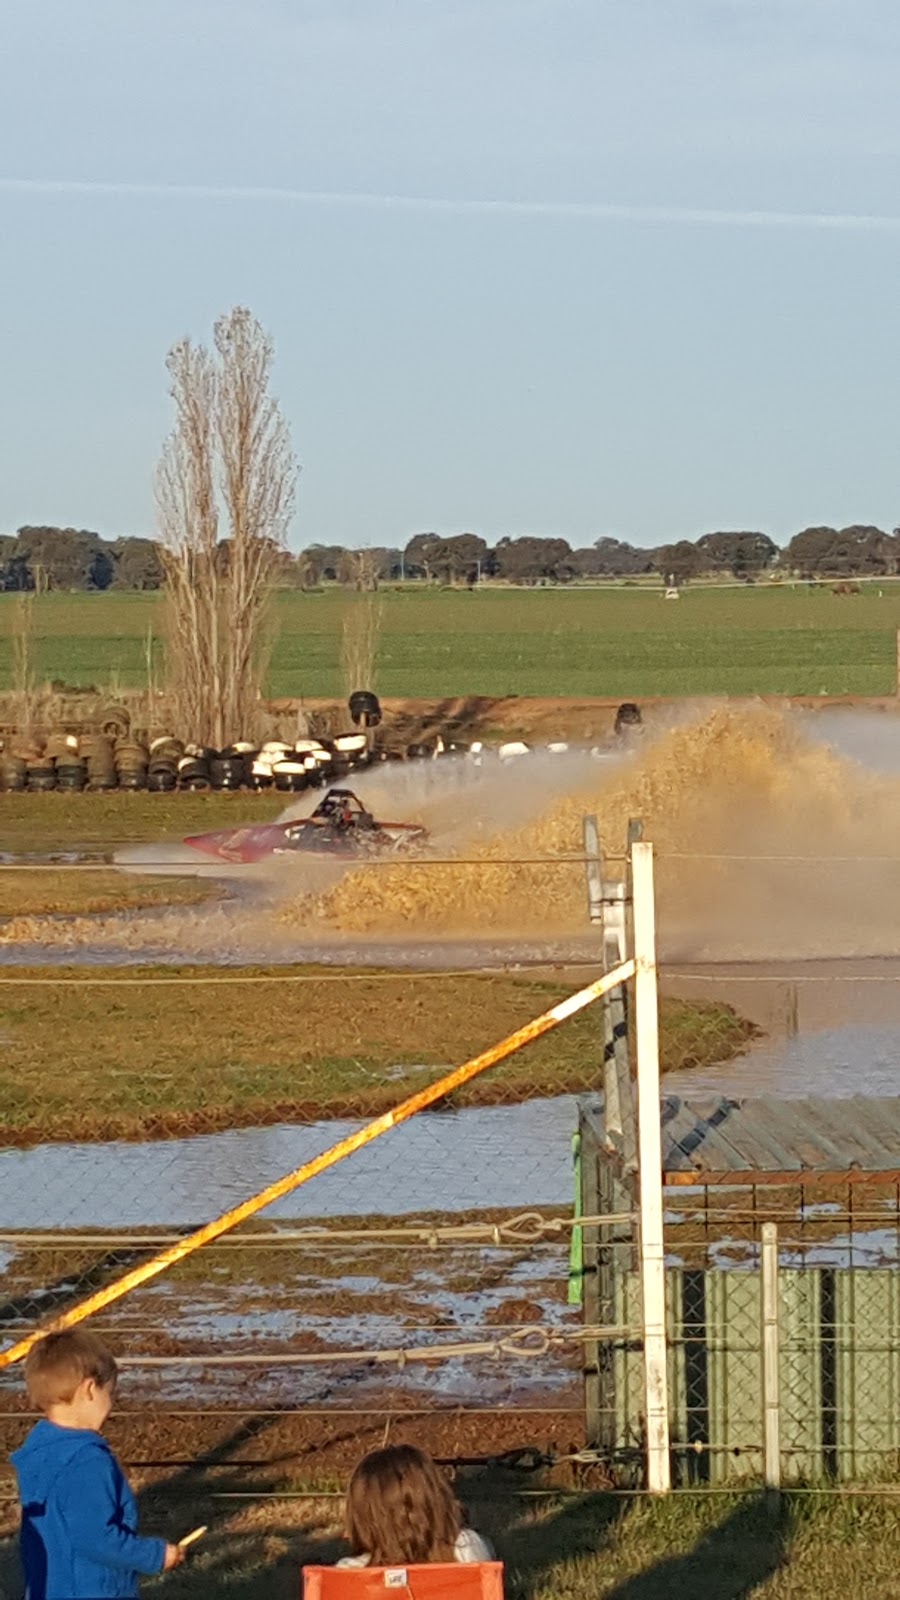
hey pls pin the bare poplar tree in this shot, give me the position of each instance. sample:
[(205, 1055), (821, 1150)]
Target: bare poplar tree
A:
[(360, 630), (225, 492)]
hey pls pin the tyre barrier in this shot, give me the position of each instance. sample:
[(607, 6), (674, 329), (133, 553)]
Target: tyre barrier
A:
[(105, 761)]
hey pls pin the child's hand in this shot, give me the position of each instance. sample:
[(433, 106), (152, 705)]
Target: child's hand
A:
[(173, 1557)]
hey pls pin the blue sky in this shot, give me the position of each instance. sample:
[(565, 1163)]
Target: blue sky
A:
[(679, 313)]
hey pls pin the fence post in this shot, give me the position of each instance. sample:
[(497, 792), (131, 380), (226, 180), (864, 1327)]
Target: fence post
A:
[(770, 1375), (653, 1278), (612, 1108), (593, 868)]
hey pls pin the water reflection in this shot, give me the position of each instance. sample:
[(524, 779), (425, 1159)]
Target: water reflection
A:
[(518, 1156), (834, 1063)]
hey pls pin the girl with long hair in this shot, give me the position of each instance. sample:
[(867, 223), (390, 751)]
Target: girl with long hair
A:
[(401, 1511)]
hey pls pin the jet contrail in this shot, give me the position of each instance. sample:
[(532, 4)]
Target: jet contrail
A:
[(584, 210)]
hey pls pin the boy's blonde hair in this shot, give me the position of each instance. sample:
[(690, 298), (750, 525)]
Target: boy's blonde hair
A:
[(60, 1362)]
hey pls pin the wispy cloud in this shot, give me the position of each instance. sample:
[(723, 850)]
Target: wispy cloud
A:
[(583, 210)]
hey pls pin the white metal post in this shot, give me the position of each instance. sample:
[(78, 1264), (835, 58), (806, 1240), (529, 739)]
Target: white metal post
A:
[(653, 1279), (612, 1112), (770, 1378)]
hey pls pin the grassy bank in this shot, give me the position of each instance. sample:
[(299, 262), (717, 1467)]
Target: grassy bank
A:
[(126, 1059), (624, 642), (32, 823), (596, 1548), (46, 824)]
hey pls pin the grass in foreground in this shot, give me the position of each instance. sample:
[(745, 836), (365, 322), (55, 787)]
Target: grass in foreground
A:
[(599, 1547), (626, 642), (126, 1059)]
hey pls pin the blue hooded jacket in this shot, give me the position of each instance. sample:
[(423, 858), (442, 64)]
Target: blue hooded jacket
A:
[(79, 1536)]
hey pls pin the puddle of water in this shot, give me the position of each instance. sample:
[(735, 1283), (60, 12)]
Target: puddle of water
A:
[(517, 1156), (835, 1063), (234, 943)]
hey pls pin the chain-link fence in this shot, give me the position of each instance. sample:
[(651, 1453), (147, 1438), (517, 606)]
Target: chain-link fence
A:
[(783, 1336), (420, 1285), (435, 1281)]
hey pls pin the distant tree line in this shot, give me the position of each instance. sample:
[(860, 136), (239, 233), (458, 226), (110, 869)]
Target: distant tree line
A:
[(73, 558), (466, 558)]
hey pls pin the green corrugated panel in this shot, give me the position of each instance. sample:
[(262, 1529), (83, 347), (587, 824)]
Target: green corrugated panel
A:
[(800, 1372), (628, 1367), (734, 1375), (840, 1385), (867, 1369), (576, 1246)]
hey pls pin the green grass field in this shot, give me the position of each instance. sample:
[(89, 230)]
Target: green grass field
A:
[(554, 642), (596, 1547)]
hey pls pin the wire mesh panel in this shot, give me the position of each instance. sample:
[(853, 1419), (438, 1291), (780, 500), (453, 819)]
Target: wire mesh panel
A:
[(866, 1370)]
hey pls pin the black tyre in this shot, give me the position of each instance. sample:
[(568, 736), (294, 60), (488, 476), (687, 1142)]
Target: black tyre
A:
[(115, 722), (41, 779), (132, 778), (162, 780), (364, 708), (227, 772), (193, 774), (71, 775)]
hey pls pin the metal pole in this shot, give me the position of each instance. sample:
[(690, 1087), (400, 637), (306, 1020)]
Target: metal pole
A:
[(593, 864), (653, 1279), (593, 869), (770, 1380)]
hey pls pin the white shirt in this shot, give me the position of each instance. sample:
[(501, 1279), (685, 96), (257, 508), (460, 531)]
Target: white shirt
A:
[(469, 1546)]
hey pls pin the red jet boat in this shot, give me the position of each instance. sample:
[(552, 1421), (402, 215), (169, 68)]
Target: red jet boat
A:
[(339, 826)]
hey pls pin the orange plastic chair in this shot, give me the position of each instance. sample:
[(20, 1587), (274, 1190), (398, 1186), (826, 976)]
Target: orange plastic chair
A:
[(438, 1580)]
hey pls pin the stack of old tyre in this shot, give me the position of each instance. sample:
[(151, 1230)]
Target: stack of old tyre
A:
[(162, 765), (193, 768), (98, 754), (232, 768), (13, 771), (132, 761), (306, 764), (40, 769), (70, 767)]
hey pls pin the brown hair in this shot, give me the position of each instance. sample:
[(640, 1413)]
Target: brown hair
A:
[(57, 1364), (400, 1509)]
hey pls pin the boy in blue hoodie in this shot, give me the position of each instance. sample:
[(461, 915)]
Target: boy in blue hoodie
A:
[(79, 1538)]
